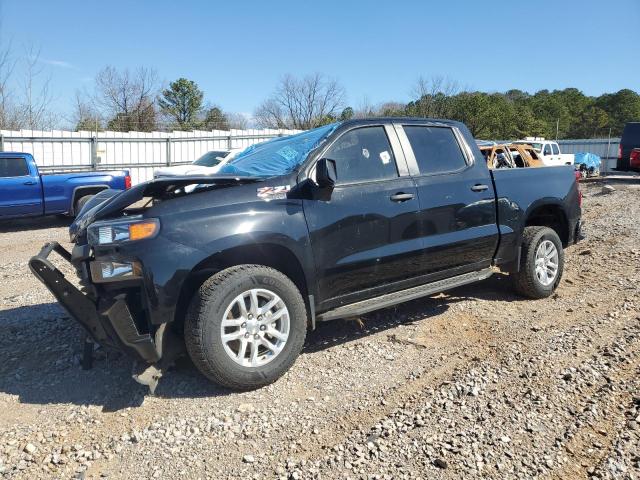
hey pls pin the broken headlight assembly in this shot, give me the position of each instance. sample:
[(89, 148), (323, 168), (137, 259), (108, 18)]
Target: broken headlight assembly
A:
[(120, 231)]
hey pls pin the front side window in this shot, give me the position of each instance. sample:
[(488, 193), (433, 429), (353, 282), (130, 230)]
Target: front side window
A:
[(363, 155), (436, 149), (13, 167), (547, 149)]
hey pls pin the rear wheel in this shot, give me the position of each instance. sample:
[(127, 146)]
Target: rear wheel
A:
[(245, 326), (541, 263)]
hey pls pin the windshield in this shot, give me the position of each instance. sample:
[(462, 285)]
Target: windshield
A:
[(537, 146), (211, 159), (278, 156)]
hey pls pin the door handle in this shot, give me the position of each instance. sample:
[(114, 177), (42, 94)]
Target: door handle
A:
[(479, 188), (29, 182), (401, 197)]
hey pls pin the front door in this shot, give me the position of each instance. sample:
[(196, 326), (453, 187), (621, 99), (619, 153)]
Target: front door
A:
[(20, 190), (366, 234)]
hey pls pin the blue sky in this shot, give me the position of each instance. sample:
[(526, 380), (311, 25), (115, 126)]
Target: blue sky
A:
[(237, 50)]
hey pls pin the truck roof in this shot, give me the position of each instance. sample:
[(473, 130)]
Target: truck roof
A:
[(365, 121), (14, 154)]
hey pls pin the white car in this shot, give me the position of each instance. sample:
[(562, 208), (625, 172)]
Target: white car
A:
[(549, 152), (207, 164)]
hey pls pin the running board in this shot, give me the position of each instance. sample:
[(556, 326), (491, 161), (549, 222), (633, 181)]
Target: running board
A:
[(394, 298)]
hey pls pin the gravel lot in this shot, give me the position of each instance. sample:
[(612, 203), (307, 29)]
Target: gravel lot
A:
[(472, 383)]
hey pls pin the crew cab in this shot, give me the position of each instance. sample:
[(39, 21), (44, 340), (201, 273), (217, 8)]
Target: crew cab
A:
[(548, 151), (24, 192), (330, 223)]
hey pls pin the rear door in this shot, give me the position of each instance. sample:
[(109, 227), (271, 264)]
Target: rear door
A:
[(457, 201), (366, 234), (20, 188)]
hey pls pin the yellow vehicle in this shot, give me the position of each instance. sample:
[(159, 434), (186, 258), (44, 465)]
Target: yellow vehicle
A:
[(510, 155)]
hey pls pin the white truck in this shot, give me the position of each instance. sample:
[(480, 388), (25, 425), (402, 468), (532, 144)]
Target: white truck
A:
[(549, 151)]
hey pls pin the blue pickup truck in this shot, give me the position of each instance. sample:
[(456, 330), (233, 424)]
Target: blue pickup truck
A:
[(24, 192)]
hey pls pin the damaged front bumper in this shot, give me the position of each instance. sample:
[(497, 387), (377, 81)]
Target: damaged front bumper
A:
[(109, 323)]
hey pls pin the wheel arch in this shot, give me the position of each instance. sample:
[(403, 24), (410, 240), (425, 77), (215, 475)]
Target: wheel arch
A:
[(79, 192), (271, 255), (550, 215)]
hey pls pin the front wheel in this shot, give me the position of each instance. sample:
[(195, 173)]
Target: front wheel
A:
[(541, 263), (245, 326)]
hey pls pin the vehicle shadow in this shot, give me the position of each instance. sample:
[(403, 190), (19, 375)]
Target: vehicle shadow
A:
[(40, 350), (36, 223)]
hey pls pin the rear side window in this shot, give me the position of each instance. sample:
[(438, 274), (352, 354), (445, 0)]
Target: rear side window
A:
[(13, 167), (556, 149), (363, 155), (436, 149)]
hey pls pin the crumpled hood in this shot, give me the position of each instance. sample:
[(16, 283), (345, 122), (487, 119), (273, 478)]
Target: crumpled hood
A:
[(109, 203)]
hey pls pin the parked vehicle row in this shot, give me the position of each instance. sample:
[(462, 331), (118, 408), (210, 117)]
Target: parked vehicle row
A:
[(548, 151), (330, 223), (24, 192)]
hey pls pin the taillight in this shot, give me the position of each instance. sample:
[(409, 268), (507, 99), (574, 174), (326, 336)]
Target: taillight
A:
[(619, 151), (127, 182), (578, 177)]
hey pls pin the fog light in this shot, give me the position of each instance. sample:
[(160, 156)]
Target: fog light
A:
[(114, 271)]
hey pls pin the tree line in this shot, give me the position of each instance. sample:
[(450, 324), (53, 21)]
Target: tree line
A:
[(135, 100), (315, 100), (124, 100)]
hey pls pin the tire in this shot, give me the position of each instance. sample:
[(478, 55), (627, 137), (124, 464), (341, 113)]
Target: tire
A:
[(527, 281), (81, 202), (217, 299)]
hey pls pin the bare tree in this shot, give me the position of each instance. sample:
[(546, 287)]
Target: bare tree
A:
[(36, 94), (432, 96), (9, 115), (365, 108), (127, 98), (85, 116), (302, 103), (237, 120)]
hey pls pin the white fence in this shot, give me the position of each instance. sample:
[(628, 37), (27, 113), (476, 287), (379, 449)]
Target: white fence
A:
[(141, 153), (605, 148), (138, 152)]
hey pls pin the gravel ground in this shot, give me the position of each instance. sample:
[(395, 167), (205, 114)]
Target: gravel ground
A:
[(472, 383)]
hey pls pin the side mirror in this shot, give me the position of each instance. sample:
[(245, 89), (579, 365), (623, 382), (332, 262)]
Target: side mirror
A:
[(326, 173)]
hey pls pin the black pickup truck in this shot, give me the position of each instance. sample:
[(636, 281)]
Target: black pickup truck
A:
[(330, 223)]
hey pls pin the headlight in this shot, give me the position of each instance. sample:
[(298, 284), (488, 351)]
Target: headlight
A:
[(105, 233)]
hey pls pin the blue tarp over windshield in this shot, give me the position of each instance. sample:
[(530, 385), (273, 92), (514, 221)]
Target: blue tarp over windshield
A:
[(278, 156)]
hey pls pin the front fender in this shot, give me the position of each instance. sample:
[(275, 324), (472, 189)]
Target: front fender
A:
[(191, 240)]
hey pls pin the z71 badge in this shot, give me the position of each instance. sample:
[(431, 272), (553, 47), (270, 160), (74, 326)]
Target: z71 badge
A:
[(273, 193)]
